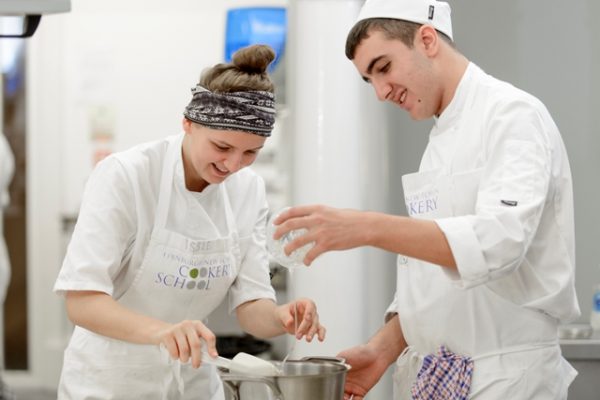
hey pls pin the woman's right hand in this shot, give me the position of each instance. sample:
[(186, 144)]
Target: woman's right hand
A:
[(184, 340)]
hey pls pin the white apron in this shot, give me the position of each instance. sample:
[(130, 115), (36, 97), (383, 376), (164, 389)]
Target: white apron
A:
[(515, 349), (180, 278)]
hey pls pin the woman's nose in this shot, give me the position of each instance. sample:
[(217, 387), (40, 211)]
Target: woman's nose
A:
[(233, 163)]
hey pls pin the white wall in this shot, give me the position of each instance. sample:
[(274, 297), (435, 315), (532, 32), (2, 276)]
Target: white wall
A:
[(137, 59)]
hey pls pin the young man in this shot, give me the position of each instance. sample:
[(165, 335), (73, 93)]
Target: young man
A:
[(486, 256)]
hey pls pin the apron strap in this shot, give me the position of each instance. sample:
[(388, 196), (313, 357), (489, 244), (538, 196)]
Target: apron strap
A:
[(231, 225), (166, 181), (166, 189), (232, 233), (516, 349)]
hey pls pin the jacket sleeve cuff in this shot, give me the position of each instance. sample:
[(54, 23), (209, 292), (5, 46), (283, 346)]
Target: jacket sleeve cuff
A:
[(391, 311), (471, 267)]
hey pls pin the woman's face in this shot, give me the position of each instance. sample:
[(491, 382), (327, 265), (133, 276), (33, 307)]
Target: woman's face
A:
[(211, 155)]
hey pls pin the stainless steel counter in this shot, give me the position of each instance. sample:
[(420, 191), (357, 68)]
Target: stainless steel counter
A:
[(581, 349), (584, 356)]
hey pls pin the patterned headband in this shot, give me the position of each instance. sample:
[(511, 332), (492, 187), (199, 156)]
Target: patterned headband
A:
[(250, 111)]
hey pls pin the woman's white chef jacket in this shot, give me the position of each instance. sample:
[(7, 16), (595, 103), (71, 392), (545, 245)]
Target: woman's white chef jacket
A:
[(7, 169), (113, 233), (496, 179)]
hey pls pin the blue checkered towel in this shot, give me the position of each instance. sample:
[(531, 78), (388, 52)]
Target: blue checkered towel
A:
[(445, 376)]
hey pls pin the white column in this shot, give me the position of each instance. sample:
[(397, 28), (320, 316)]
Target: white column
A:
[(340, 159)]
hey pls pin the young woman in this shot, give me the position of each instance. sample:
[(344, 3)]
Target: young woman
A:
[(166, 230)]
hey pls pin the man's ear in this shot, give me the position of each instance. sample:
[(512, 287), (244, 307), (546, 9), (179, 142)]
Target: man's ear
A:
[(428, 37)]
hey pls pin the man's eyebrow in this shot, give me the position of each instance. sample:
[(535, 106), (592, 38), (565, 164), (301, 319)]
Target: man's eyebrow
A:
[(372, 64)]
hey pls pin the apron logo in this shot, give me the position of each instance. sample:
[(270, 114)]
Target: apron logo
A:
[(196, 246), (422, 203), (194, 274), (511, 203)]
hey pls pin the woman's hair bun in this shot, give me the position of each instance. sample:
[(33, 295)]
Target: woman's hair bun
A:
[(253, 59)]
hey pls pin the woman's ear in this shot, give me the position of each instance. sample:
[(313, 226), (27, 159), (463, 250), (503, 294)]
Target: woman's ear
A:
[(187, 125)]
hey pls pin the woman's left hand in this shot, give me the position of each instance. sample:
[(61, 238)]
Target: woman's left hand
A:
[(300, 318)]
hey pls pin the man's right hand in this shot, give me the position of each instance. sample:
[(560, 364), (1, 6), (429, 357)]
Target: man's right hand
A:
[(366, 370)]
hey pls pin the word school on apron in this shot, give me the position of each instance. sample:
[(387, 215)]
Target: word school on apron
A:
[(194, 274)]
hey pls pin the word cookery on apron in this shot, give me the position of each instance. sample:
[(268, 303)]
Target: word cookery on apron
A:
[(193, 273), (422, 203)]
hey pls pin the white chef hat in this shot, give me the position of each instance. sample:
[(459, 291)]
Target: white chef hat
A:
[(431, 12)]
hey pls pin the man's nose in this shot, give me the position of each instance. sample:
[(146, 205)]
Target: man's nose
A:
[(382, 90)]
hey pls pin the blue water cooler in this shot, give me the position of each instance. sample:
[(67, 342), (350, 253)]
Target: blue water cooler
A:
[(256, 25), (259, 25)]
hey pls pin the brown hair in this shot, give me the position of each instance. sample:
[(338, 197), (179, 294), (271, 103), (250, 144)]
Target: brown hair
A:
[(402, 30), (246, 71)]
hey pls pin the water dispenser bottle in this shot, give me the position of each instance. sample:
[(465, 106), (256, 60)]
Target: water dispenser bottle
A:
[(595, 315)]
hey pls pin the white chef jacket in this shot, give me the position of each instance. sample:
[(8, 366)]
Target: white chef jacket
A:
[(117, 215), (508, 219), (525, 254)]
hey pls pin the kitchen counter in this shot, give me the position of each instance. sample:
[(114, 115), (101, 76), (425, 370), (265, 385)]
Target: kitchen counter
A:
[(581, 349), (584, 356)]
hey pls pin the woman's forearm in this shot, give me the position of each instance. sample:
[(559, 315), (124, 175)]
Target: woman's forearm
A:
[(259, 318), (100, 313)]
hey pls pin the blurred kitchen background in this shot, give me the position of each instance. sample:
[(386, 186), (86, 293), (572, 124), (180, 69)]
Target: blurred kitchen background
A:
[(110, 74)]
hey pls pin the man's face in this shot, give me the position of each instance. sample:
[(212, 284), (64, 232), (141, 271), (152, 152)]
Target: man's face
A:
[(399, 74)]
